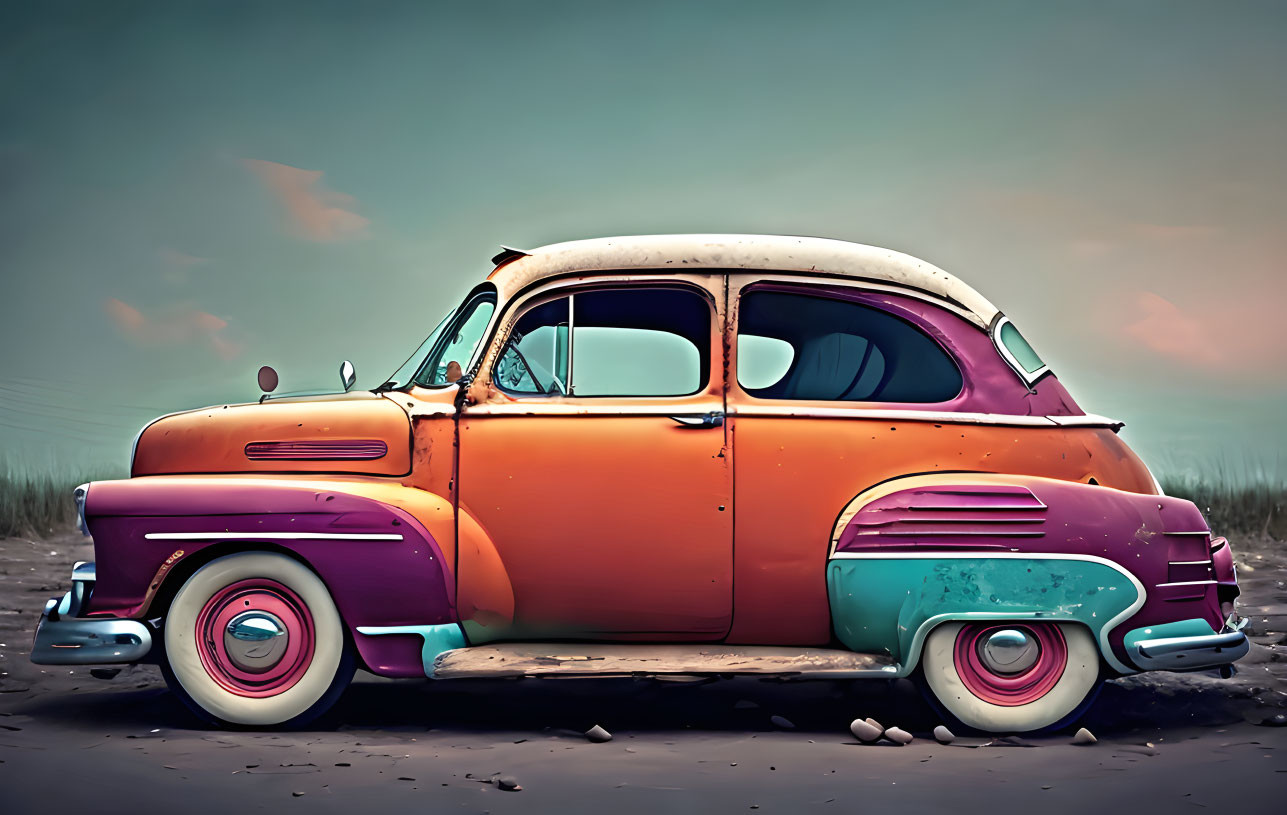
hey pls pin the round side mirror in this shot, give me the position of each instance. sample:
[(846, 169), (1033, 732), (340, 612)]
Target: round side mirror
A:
[(267, 379)]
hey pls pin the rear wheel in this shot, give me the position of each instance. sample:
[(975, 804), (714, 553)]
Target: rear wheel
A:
[(1011, 677), (254, 639)]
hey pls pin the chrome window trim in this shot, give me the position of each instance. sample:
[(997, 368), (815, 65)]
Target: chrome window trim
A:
[(1029, 378)]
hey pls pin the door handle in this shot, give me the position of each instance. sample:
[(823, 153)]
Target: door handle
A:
[(713, 419)]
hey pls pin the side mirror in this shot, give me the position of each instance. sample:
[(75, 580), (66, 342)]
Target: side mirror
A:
[(348, 375), (267, 379)]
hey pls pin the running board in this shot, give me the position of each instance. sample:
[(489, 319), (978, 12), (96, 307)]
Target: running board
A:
[(578, 660)]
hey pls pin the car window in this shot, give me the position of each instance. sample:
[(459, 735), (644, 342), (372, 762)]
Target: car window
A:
[(453, 350), (618, 342), (1019, 348), (840, 351)]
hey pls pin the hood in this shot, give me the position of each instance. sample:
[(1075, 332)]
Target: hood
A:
[(361, 433)]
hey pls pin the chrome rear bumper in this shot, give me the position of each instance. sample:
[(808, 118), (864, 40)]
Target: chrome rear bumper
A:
[(1191, 653), (64, 638)]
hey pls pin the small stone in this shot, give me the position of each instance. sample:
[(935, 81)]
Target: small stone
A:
[(875, 724), (865, 732), (782, 722), (1084, 736), (744, 704), (104, 673), (296, 794), (598, 734), (1276, 720), (508, 782), (943, 736), (898, 735)]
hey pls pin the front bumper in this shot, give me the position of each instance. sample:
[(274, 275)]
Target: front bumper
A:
[(1172, 648), (65, 638)]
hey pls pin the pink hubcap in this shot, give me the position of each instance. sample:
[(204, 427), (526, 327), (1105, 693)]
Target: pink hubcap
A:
[(983, 657), (255, 637)]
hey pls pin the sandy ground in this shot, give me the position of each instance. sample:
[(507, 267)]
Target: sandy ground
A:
[(70, 742)]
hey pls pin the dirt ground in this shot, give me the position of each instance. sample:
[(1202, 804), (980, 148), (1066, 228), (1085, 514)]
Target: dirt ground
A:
[(1167, 742)]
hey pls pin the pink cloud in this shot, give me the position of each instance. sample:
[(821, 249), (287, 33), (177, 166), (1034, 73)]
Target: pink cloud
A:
[(1163, 328), (178, 325), (1229, 334), (316, 213), (180, 260)]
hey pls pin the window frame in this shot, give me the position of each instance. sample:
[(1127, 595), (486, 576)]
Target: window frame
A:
[(787, 284), (461, 315), (517, 308), (1029, 378)]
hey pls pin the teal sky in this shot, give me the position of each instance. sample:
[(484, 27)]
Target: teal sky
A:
[(189, 191)]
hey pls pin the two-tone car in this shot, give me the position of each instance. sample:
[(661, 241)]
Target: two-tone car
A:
[(664, 455)]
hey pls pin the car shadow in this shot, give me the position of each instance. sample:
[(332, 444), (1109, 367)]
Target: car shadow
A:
[(640, 705)]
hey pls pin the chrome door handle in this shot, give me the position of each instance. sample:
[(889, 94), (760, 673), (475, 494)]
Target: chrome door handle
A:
[(713, 419)]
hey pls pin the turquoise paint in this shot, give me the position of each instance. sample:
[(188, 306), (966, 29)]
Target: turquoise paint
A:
[(437, 638), (1180, 628), (888, 604)]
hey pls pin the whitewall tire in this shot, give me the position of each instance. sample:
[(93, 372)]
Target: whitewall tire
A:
[(254, 639), (1011, 677)]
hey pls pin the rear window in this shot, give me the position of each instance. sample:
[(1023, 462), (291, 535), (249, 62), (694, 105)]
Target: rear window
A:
[(795, 346), (1017, 352)]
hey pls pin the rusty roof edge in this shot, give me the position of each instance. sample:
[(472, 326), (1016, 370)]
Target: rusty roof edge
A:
[(738, 253)]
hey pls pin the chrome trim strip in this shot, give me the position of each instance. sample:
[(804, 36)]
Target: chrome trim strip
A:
[(559, 406), (1187, 583), (1203, 532), (1106, 649), (287, 536), (911, 415), (1188, 562)]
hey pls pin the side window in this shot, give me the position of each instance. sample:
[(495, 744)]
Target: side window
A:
[(453, 351), (618, 342), (794, 346)]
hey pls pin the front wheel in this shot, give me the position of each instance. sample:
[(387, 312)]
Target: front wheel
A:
[(1011, 677), (254, 639)]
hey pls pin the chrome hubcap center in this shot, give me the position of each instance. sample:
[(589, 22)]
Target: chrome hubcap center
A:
[(1009, 651), (255, 641)]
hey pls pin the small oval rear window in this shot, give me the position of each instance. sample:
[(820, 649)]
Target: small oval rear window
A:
[(1019, 348)]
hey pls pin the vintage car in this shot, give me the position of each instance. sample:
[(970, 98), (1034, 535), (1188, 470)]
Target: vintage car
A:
[(664, 455)]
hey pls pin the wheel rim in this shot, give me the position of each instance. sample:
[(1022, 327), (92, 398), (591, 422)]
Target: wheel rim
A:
[(1010, 665), (255, 638)]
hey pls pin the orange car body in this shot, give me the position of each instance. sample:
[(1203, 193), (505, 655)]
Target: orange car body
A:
[(606, 519)]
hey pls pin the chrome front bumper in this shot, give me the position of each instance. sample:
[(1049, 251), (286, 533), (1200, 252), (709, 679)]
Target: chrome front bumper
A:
[(64, 638), (1193, 653)]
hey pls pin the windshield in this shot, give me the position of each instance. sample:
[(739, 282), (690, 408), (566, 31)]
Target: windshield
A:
[(403, 375), (443, 356)]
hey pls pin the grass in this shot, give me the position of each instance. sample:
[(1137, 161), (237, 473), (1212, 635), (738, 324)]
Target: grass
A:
[(1233, 502), (1255, 508), (39, 503)]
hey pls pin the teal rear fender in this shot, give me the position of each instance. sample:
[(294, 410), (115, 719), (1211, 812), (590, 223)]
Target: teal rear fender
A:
[(888, 602)]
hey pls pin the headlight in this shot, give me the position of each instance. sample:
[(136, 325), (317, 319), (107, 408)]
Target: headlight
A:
[(79, 494)]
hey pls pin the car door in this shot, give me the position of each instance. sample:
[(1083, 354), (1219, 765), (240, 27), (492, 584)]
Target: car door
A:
[(595, 459)]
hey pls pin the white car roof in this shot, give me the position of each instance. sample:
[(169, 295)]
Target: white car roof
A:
[(714, 253)]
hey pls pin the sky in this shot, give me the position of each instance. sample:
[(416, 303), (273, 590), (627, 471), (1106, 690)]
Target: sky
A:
[(191, 190)]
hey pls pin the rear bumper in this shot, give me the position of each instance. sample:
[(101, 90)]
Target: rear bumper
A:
[(63, 638), (1160, 649)]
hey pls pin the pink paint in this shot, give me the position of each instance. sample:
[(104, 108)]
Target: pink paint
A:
[(1151, 536), (270, 597), (1010, 690)]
